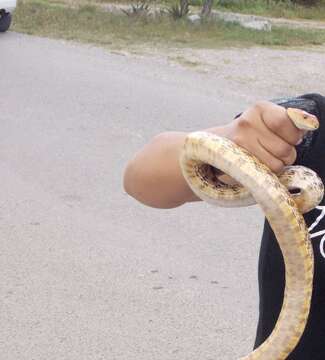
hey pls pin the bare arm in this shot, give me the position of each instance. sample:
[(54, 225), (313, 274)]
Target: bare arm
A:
[(154, 178), (158, 182)]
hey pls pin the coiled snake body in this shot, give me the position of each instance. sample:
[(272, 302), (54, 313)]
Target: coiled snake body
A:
[(201, 153)]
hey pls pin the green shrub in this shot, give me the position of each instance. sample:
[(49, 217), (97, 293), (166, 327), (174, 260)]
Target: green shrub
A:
[(137, 9), (178, 11)]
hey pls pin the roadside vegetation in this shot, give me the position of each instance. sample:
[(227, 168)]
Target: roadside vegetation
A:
[(312, 10), (87, 22), (290, 9)]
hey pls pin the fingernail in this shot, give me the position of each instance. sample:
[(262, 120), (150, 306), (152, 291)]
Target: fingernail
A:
[(299, 142)]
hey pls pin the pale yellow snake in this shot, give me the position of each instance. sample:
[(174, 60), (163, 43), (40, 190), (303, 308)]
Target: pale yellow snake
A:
[(200, 153)]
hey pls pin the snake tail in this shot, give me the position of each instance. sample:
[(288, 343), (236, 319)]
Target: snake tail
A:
[(284, 217)]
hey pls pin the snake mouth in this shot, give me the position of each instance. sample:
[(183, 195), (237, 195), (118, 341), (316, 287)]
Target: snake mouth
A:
[(295, 191)]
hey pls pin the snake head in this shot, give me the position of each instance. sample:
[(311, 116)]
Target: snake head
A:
[(302, 119)]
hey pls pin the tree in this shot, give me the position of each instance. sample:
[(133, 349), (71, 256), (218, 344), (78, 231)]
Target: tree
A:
[(206, 8)]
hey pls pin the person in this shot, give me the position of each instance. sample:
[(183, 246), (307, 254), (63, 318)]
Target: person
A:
[(265, 130)]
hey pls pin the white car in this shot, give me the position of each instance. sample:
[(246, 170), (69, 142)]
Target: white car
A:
[(6, 9)]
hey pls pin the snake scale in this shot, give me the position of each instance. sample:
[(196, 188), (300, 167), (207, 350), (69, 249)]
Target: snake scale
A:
[(256, 183)]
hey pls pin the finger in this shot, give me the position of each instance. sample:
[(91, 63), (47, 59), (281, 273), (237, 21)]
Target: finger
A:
[(280, 150), (272, 162), (276, 146)]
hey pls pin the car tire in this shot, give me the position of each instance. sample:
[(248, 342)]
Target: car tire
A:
[(5, 21)]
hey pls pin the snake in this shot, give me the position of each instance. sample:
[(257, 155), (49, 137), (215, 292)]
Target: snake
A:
[(283, 198)]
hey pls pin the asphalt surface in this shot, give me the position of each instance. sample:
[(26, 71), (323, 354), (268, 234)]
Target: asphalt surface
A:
[(86, 271)]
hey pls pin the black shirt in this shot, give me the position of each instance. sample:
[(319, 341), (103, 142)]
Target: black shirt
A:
[(310, 153)]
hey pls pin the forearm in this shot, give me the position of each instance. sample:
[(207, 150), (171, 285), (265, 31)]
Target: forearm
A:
[(154, 177)]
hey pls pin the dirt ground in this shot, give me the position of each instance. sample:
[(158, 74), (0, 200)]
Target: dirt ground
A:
[(249, 73)]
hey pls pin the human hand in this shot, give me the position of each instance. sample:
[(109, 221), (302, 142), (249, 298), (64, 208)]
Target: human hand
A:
[(266, 131)]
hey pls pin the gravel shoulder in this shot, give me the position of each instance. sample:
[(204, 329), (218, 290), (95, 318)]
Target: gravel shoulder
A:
[(249, 73), (242, 67)]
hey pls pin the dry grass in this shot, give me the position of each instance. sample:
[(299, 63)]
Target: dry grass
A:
[(81, 21)]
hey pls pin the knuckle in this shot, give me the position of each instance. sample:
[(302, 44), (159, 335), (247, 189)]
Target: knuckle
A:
[(291, 158), (276, 125), (276, 166), (243, 122), (285, 150), (237, 139), (260, 105), (241, 140)]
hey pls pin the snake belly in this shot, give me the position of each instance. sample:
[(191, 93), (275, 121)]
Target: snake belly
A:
[(285, 219)]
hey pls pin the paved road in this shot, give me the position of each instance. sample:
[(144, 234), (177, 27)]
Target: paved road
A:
[(86, 272)]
